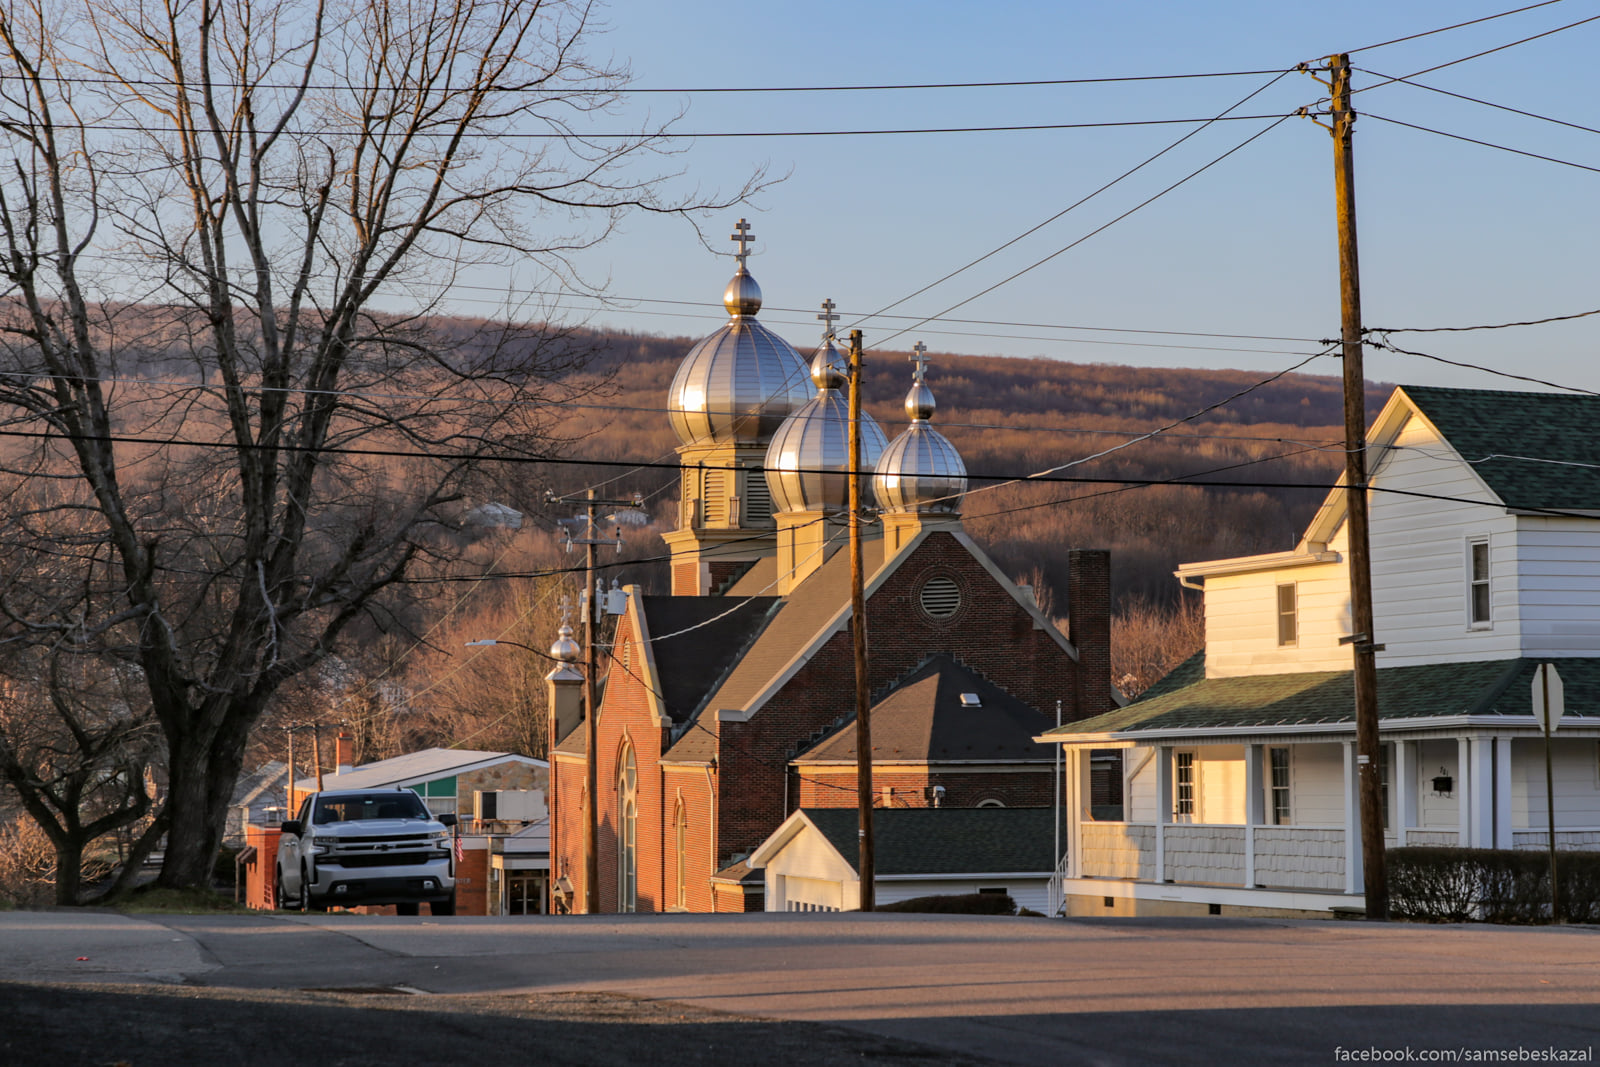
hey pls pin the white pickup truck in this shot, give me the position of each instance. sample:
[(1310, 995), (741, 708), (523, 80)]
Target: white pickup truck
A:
[(367, 846)]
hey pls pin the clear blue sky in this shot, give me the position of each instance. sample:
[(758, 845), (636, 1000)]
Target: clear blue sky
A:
[(1451, 233)]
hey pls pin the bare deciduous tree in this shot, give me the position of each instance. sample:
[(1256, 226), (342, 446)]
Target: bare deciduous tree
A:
[(250, 189)]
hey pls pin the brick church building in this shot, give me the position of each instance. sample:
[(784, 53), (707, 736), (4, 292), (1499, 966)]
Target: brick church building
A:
[(730, 703)]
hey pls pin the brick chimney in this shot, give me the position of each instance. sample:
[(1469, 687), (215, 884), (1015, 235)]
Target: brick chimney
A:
[(1089, 628), (344, 748)]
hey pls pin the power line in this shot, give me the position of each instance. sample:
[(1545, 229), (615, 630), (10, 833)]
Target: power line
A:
[(1099, 229), (1485, 144), (960, 85), (1075, 204), (1386, 345), (1478, 55), (1454, 26), (1491, 326), (455, 133), (641, 90), (1485, 103)]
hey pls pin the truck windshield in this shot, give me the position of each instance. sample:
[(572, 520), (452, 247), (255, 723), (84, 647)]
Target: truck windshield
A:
[(401, 804)]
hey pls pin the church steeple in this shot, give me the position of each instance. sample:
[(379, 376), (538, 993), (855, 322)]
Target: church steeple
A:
[(730, 395)]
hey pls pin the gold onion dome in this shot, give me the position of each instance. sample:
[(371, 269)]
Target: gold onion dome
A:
[(808, 462), (920, 470), (741, 382)]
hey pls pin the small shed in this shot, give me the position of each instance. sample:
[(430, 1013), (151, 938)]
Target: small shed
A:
[(810, 860)]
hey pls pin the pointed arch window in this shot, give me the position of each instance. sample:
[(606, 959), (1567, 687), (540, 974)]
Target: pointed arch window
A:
[(627, 831), (680, 868)]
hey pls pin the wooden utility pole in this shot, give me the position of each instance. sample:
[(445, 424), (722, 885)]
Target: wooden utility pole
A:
[(1362, 638), (290, 791), (858, 629), (591, 742), (591, 736), (316, 751)]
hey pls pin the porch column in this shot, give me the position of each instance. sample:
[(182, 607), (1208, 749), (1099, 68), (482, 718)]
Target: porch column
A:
[(1255, 809), (1405, 790), (1464, 787), (1502, 792), (1163, 807), (1483, 784), (1074, 801), (1353, 880)]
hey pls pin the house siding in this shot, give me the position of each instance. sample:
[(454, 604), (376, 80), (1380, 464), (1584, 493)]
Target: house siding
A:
[(1558, 585), (1419, 556), (1242, 620)]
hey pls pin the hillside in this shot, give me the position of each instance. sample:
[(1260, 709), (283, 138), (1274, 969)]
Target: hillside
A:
[(1011, 417)]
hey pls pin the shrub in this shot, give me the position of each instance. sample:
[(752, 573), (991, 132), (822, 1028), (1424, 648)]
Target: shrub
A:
[(957, 904), (1439, 884), (27, 865)]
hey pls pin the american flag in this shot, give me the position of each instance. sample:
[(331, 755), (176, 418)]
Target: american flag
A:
[(458, 847)]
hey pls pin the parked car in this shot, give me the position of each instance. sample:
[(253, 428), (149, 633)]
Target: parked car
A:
[(367, 846)]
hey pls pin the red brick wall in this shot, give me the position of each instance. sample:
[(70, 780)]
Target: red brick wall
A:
[(836, 788), (990, 633), (261, 873), (472, 880), (1089, 623)]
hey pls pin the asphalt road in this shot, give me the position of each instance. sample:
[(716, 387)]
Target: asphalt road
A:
[(867, 988)]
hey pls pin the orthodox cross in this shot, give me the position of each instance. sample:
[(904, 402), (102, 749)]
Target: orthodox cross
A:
[(566, 611), (828, 318), (744, 237), (919, 356)]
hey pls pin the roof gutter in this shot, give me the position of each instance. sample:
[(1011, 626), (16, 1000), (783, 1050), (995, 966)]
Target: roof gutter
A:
[(1124, 738)]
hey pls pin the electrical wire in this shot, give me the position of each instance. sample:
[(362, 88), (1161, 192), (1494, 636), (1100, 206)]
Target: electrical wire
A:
[(453, 133), (1478, 55), (1280, 120), (1478, 100), (1485, 144), (1074, 205), (169, 83), (1454, 26), (1491, 326), (1387, 346)]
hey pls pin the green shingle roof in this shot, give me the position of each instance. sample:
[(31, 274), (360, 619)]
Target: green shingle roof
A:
[(1187, 700), (1553, 427)]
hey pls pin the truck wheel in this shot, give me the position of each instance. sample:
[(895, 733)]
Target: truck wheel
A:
[(306, 903), (443, 907), (405, 909), (279, 901)]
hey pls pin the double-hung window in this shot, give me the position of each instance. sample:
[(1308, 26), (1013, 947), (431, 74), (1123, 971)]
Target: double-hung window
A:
[(1288, 615), (1479, 604), (1281, 814), (1183, 807)]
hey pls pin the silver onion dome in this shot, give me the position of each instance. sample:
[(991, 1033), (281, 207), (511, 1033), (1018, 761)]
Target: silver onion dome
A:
[(920, 470), (808, 461), (565, 648), (740, 383)]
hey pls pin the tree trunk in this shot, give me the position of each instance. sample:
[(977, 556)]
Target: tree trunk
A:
[(200, 781), (69, 870)]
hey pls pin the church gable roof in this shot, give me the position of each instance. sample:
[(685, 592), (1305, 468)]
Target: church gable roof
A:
[(924, 717), (696, 640)]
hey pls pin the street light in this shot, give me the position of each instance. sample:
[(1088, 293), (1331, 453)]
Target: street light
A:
[(489, 642)]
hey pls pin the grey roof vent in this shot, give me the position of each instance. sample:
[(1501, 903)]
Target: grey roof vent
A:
[(971, 700)]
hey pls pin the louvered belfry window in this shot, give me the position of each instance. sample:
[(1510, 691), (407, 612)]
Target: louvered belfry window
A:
[(940, 597)]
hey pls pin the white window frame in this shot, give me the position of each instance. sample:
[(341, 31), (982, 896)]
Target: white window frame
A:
[(1293, 615), (1179, 765), (1287, 787), (1473, 582)]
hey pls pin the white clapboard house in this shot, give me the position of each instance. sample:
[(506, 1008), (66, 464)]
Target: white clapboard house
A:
[(1239, 768)]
